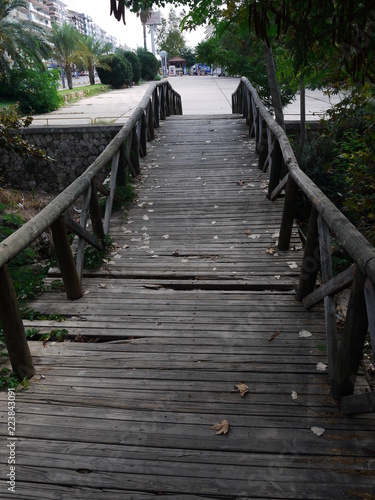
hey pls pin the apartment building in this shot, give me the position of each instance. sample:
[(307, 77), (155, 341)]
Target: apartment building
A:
[(35, 11), (57, 11), (44, 13)]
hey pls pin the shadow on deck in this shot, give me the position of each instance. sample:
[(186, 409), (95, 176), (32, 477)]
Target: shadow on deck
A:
[(187, 308)]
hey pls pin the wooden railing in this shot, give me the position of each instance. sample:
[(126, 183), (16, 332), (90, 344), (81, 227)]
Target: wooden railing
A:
[(123, 153), (344, 350)]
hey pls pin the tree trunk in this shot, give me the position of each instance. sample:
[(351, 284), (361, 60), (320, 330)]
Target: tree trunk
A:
[(68, 71), (274, 87), (91, 71), (62, 73), (302, 134)]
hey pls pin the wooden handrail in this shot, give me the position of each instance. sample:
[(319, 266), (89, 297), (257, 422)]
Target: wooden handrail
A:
[(159, 101), (275, 153)]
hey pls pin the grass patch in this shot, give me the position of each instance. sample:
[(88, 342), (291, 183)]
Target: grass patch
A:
[(78, 93)]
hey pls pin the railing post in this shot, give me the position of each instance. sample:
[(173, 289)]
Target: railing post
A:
[(65, 259), (263, 145), (143, 136), (353, 338), (95, 215), (311, 258), (162, 102), (288, 214), (275, 167), (134, 151), (150, 122), (112, 189), (14, 331), (155, 102), (329, 301)]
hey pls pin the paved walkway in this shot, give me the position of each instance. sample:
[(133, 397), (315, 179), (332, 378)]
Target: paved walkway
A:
[(201, 95)]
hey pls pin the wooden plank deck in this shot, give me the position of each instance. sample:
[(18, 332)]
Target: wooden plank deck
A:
[(182, 313)]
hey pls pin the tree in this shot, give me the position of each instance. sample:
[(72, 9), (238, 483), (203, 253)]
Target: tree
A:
[(35, 90), (189, 55), (144, 15), (149, 64), (134, 61), (21, 43), (169, 37), (119, 73), (68, 48), (92, 54)]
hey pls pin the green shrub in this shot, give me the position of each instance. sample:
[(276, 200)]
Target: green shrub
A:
[(133, 59), (341, 161), (120, 73), (27, 274), (149, 64), (35, 90)]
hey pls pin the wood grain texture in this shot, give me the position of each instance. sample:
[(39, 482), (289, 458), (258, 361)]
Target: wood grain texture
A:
[(179, 315)]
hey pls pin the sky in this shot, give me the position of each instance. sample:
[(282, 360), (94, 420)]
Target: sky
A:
[(130, 34)]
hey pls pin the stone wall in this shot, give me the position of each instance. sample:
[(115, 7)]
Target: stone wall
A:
[(72, 150)]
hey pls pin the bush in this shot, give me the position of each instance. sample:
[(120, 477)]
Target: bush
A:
[(35, 90), (133, 59), (341, 160), (149, 64), (120, 73)]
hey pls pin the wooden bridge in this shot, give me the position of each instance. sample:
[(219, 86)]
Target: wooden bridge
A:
[(193, 321)]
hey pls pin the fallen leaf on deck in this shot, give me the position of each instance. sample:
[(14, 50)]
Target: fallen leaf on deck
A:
[(277, 276), (221, 427), (274, 335), (318, 431), (145, 217), (102, 285), (243, 388), (240, 183), (321, 367), (165, 236), (254, 236), (304, 334), (294, 395), (270, 250), (292, 264), (248, 232)]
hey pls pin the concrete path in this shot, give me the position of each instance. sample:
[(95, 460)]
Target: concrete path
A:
[(201, 95)]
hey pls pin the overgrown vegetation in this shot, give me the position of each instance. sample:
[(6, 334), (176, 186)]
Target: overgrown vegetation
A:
[(341, 159)]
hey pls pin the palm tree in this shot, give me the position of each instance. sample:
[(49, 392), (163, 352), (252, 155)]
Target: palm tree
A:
[(21, 43), (144, 15), (92, 52), (67, 41)]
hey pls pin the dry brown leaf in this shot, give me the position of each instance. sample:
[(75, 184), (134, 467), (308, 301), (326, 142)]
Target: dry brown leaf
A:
[(270, 250), (242, 388), (221, 427), (248, 231)]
